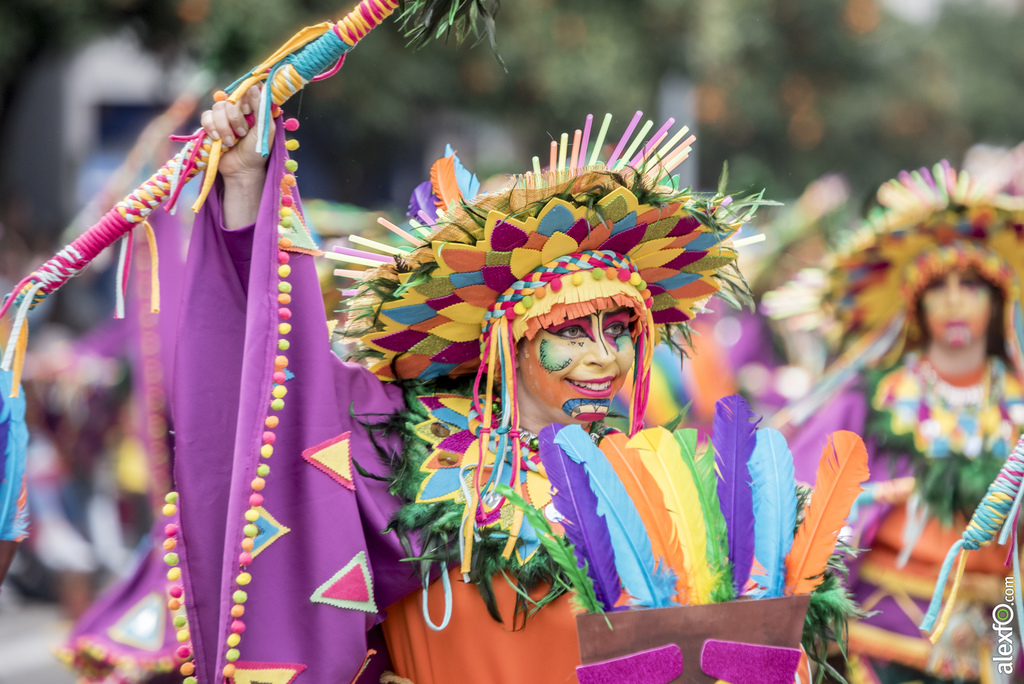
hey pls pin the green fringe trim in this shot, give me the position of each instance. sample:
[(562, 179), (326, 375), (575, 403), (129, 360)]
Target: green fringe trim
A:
[(437, 525), (827, 620)]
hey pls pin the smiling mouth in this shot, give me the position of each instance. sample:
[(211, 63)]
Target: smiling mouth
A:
[(592, 388)]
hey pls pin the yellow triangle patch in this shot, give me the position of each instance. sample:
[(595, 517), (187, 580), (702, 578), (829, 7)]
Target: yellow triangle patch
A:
[(333, 459), (247, 672)]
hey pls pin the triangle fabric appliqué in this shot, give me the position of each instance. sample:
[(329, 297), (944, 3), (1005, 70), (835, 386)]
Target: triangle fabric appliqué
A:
[(248, 672), (270, 530), (350, 587), (144, 624), (332, 457)]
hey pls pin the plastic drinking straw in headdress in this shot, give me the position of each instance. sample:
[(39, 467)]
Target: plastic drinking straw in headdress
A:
[(999, 508), (312, 53)]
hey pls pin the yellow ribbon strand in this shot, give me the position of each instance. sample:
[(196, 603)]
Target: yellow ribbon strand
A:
[(948, 610), (154, 269), (19, 360), (211, 174)]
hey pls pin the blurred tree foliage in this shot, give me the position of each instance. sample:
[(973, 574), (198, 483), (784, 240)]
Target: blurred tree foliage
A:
[(787, 89), (791, 89)]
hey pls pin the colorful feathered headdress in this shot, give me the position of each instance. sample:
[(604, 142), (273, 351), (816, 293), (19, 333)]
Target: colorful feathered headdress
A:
[(490, 270), (930, 223), (487, 270)]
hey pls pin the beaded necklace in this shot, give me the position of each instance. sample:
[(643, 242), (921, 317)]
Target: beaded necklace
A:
[(944, 419)]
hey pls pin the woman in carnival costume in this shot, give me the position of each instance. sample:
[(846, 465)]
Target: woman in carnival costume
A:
[(928, 305), (305, 485)]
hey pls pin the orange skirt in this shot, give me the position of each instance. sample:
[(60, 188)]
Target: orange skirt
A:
[(476, 648)]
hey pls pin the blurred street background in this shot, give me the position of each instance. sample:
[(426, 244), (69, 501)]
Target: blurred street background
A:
[(816, 101)]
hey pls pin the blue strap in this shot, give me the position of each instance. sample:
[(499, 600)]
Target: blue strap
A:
[(940, 586), (447, 584)]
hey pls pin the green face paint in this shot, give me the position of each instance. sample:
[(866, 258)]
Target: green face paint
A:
[(624, 342), (553, 358)]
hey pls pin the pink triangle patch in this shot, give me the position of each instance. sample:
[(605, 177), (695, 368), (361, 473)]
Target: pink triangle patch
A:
[(349, 587)]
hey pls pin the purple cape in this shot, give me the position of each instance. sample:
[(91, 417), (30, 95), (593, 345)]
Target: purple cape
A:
[(323, 568)]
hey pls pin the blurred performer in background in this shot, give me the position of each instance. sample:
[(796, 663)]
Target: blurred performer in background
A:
[(927, 301), (128, 634)]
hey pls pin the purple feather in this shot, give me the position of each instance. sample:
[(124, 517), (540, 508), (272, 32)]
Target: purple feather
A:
[(733, 438), (423, 199), (588, 532)]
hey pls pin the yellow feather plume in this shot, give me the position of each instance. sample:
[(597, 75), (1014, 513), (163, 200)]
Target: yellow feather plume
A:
[(659, 453), (643, 489), (843, 467)]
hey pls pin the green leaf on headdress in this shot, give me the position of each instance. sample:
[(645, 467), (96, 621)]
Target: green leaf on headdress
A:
[(723, 180), (425, 20)]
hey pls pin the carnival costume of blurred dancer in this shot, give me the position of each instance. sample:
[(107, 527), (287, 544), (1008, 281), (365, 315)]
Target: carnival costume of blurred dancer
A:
[(128, 634), (927, 304)]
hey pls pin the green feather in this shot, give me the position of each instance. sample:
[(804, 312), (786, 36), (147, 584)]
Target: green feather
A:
[(828, 614), (560, 550), (705, 477)]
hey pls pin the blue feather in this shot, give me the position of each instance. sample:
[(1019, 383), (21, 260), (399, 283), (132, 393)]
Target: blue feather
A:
[(467, 181), (734, 439), (651, 586), (587, 531), (774, 497)]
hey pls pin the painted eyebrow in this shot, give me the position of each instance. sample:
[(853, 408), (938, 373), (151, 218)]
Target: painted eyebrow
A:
[(617, 316), (581, 322)]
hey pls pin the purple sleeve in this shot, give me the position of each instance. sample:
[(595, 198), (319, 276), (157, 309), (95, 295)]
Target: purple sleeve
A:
[(847, 411), (322, 568)]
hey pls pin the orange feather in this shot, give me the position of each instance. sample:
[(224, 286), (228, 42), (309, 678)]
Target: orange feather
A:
[(442, 179), (643, 489), (843, 467)]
